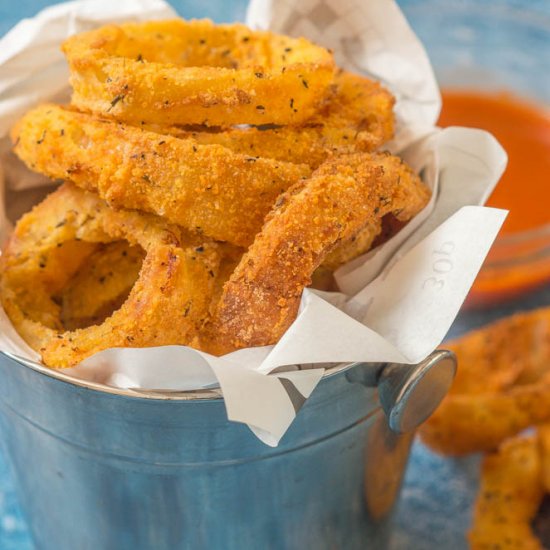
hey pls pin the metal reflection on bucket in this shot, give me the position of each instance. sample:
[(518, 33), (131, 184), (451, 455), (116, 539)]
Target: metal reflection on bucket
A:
[(100, 467)]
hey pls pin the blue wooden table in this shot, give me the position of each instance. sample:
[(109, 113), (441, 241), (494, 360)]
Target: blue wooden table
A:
[(438, 493)]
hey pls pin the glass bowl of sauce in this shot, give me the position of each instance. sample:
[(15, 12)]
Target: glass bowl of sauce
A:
[(492, 60)]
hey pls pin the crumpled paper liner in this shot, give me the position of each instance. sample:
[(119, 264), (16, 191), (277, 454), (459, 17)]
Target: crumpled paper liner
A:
[(397, 302)]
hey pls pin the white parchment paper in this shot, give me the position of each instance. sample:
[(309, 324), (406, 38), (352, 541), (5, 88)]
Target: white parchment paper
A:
[(397, 301)]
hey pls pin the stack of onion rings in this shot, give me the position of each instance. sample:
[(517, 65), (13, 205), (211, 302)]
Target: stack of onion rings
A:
[(204, 188), (156, 131)]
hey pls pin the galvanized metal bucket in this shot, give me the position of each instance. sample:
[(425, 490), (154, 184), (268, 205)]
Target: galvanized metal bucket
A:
[(100, 468)]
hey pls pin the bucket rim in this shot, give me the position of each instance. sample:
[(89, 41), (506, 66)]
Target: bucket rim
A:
[(207, 394)]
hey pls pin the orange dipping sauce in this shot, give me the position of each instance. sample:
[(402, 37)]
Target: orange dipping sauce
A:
[(523, 129)]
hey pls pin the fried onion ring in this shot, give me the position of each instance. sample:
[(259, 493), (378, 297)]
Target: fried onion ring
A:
[(509, 497), (502, 386), (261, 299), (167, 304), (101, 285), (195, 72), (357, 117), (205, 188), (104, 281)]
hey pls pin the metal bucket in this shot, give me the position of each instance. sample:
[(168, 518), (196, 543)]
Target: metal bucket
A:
[(100, 469)]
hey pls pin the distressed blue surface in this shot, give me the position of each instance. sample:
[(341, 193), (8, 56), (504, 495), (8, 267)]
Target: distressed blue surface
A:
[(438, 492), (13, 529)]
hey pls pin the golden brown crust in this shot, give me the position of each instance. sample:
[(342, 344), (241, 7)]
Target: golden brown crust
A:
[(153, 131), (167, 305), (195, 72), (358, 116), (261, 299), (509, 497), (101, 285), (543, 432), (205, 188), (502, 386), (353, 247)]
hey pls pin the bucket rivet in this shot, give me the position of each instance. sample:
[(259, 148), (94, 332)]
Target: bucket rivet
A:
[(409, 394)]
